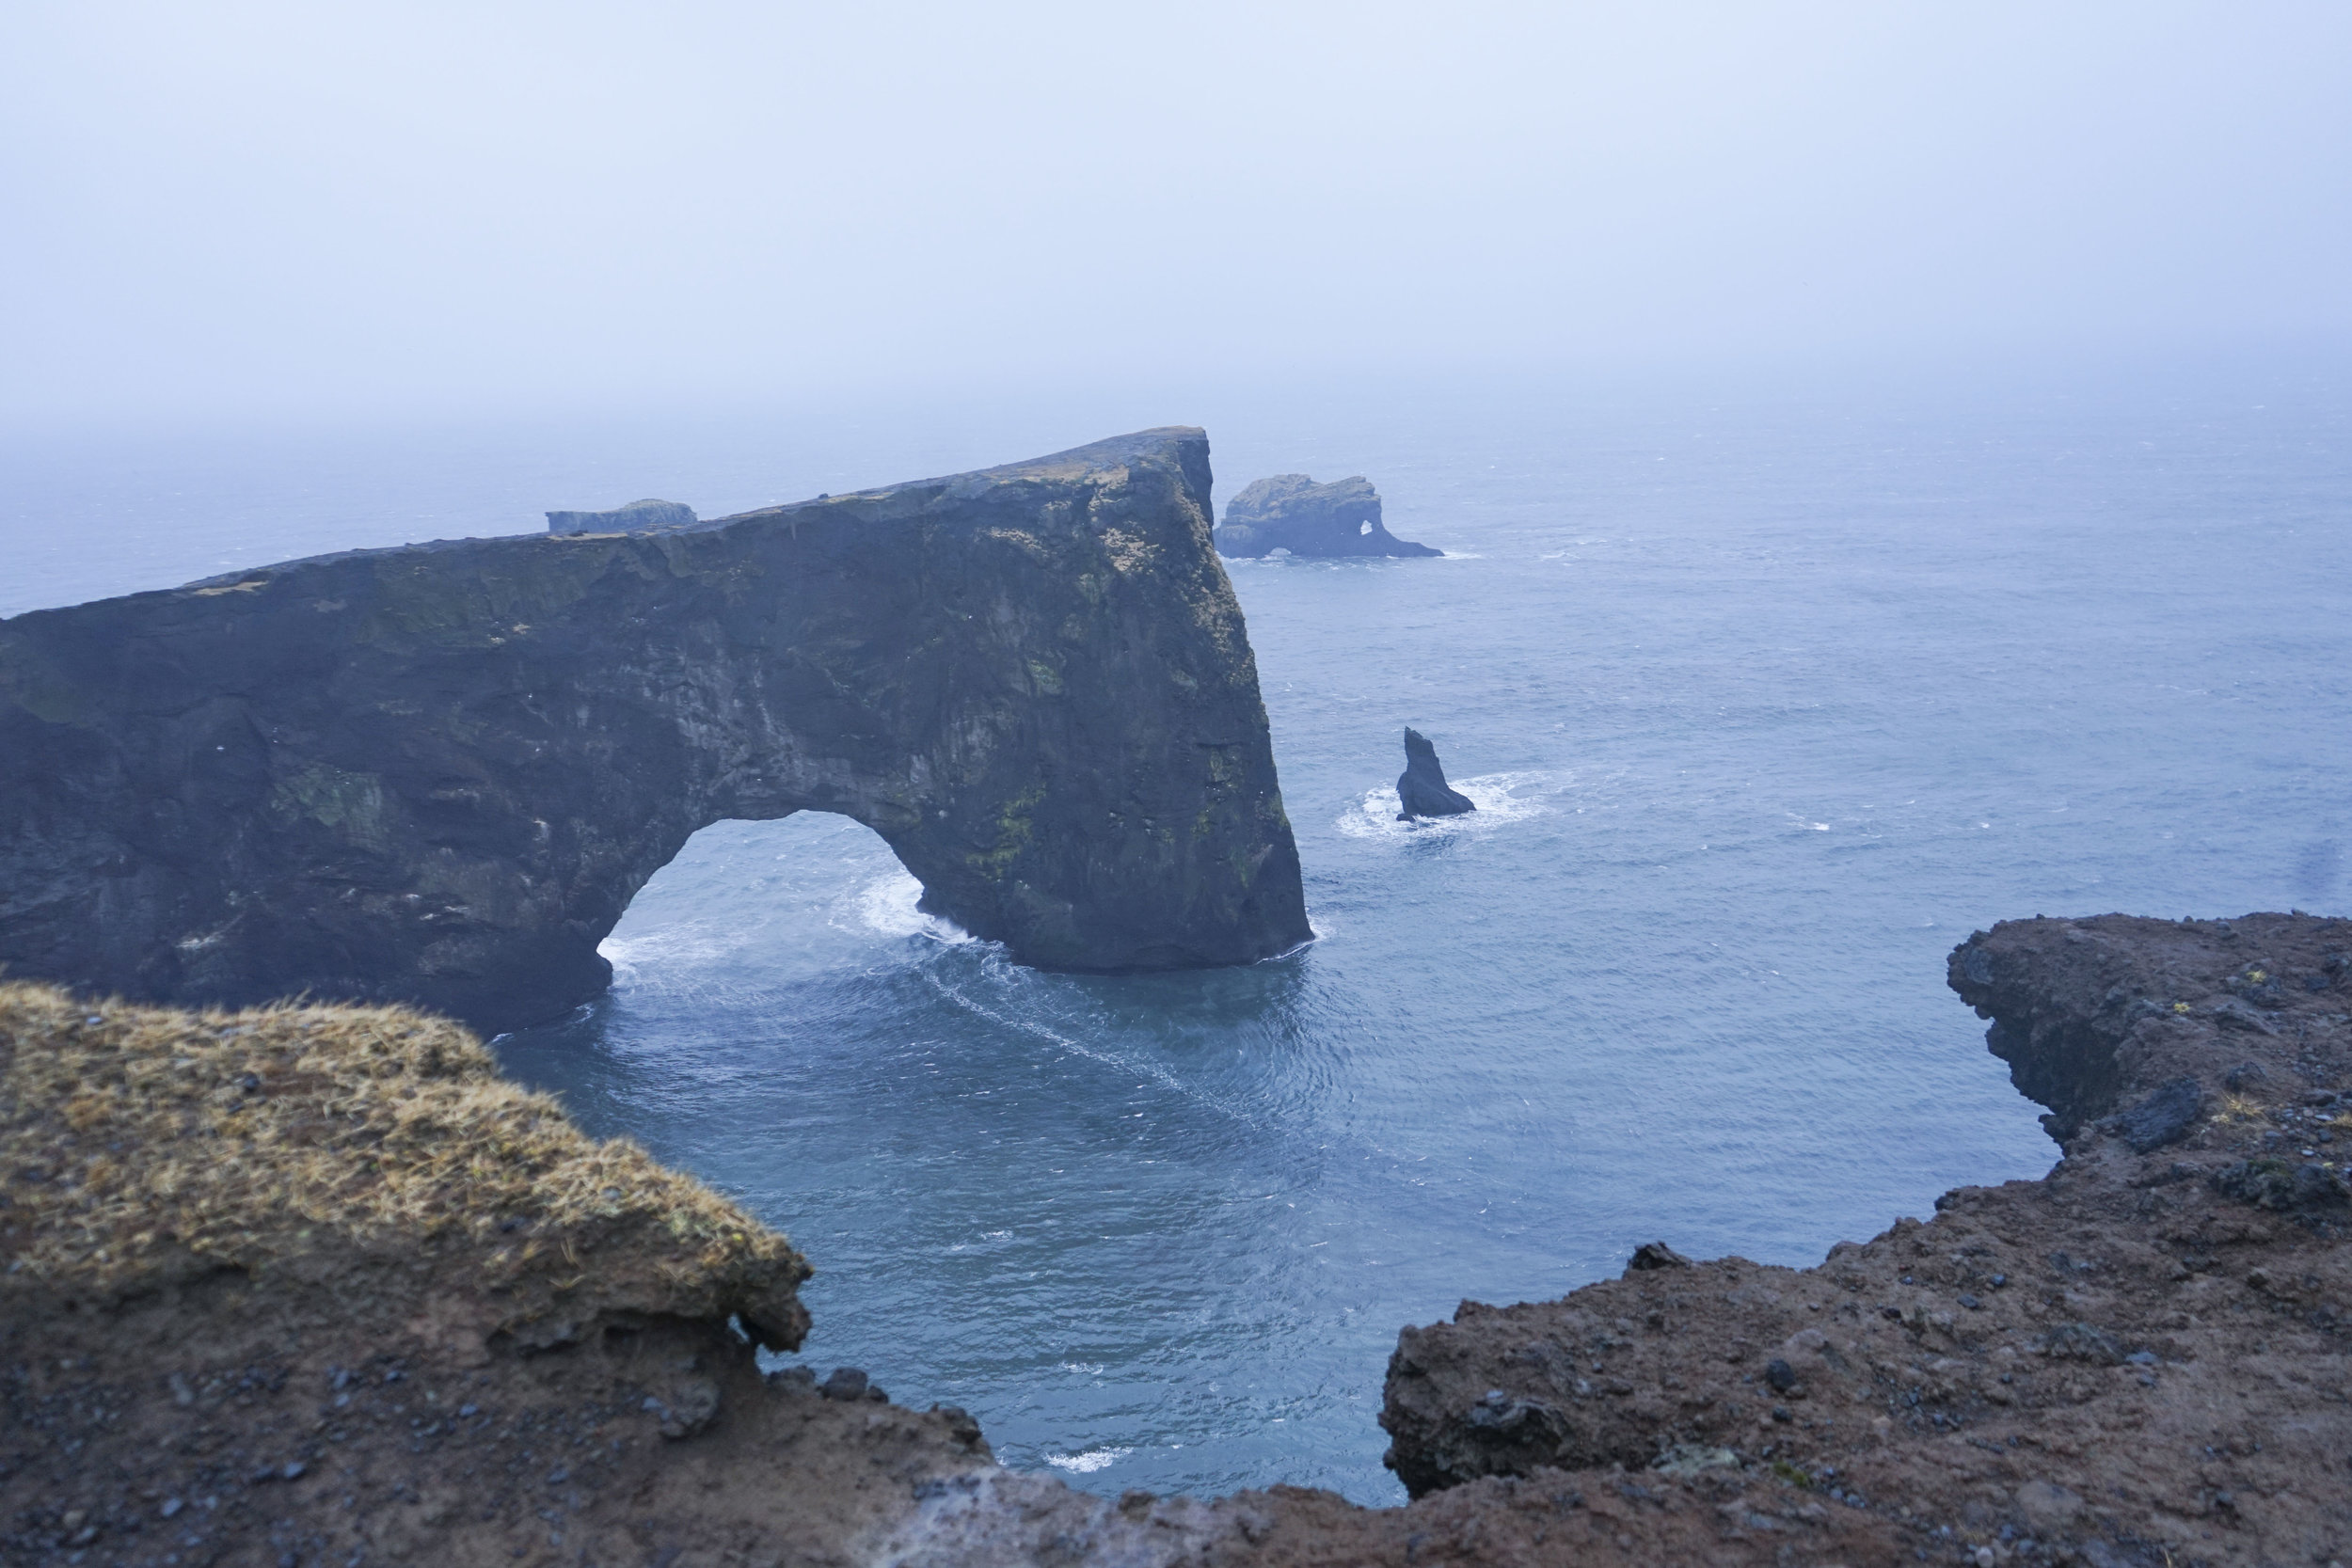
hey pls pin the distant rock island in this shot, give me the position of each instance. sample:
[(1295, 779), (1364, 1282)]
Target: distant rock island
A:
[(635, 517), (1291, 512), (437, 774), (1422, 790)]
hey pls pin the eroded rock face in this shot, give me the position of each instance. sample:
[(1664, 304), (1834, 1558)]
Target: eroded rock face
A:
[(1291, 512), (437, 774)]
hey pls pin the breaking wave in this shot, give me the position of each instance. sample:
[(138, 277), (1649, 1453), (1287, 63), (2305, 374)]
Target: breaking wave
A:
[(1500, 799), (1088, 1463), (888, 904)]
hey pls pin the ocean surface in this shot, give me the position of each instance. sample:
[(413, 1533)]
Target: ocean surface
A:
[(1767, 696)]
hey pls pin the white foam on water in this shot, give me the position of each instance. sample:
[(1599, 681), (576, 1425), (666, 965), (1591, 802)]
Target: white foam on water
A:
[(1153, 1070), (669, 948), (622, 955), (1088, 1463), (887, 904), (1501, 799)]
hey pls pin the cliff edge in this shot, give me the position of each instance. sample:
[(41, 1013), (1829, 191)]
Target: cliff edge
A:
[(2138, 1360), (437, 774), (311, 1283)]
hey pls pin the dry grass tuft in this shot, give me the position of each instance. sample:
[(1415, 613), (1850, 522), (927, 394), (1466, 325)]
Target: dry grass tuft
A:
[(132, 1136), (2237, 1110)]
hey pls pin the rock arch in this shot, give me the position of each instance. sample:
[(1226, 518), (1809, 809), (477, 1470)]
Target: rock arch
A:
[(436, 774)]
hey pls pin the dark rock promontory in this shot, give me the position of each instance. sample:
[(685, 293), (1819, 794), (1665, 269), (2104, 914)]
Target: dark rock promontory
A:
[(1422, 790), (436, 774), (634, 517), (1291, 512)]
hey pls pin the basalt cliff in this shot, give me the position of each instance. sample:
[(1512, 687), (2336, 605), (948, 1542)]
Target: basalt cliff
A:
[(436, 774)]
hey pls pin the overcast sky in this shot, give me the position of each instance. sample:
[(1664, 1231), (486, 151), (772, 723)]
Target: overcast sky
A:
[(217, 208)]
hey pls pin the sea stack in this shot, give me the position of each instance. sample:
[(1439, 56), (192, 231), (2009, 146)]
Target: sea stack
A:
[(1422, 790), (636, 517), (1291, 512)]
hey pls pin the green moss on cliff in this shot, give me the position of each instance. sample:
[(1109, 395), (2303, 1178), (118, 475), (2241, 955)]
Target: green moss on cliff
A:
[(1013, 831)]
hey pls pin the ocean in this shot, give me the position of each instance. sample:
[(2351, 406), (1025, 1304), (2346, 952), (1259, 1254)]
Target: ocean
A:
[(1768, 697)]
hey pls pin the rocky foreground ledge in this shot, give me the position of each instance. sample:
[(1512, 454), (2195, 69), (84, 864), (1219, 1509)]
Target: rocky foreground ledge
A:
[(2140, 1358), (314, 1285)]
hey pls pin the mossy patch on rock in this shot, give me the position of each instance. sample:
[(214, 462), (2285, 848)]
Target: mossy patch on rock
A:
[(144, 1142)]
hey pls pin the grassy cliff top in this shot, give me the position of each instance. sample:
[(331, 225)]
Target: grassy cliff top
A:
[(138, 1143)]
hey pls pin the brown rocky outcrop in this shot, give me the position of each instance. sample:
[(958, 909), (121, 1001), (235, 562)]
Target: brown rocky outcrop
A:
[(391, 1309), (2140, 1358)]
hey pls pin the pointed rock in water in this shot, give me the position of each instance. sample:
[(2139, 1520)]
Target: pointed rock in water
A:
[(1291, 512), (1422, 790)]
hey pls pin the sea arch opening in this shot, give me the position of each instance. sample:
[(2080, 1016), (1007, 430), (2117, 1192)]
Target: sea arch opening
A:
[(760, 902)]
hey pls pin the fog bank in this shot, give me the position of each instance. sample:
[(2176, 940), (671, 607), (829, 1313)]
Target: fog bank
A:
[(281, 209)]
